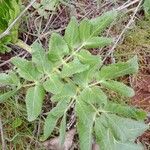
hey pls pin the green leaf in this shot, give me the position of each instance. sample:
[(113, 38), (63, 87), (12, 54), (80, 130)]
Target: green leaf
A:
[(14, 79), (40, 58), (5, 79), (72, 36), (84, 78), (53, 116), (14, 12), (125, 129), (26, 69), (125, 110), (102, 137), (72, 68), (97, 42), (94, 95), (9, 11), (17, 123), (85, 117), (128, 146), (87, 58), (119, 87), (106, 140), (146, 7), (120, 135), (68, 91), (102, 22), (85, 29), (62, 130), (58, 48), (53, 84), (3, 44), (119, 69), (7, 95), (34, 101), (9, 79)]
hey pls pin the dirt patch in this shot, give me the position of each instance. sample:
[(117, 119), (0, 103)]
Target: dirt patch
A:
[(142, 97), (142, 100)]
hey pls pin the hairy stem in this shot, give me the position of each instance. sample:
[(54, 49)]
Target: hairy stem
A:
[(23, 45)]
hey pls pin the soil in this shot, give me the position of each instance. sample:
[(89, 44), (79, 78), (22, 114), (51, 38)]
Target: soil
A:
[(142, 97), (142, 100)]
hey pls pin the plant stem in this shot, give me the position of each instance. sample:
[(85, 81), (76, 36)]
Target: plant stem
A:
[(95, 83), (23, 45), (28, 48)]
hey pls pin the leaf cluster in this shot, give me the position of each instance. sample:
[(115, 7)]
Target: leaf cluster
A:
[(74, 76), (9, 10)]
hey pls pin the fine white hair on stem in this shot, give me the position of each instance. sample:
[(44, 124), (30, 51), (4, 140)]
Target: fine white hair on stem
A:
[(7, 31)]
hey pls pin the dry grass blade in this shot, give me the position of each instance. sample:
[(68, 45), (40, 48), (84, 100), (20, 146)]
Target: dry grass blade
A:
[(2, 135), (123, 31)]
